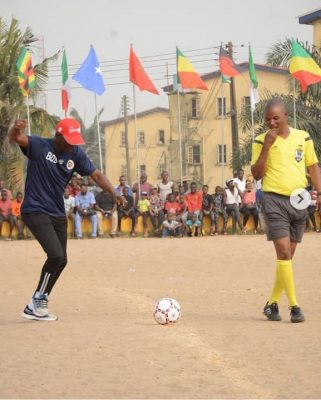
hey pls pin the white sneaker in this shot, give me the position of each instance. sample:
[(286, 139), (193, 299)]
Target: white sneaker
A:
[(28, 313), (39, 305)]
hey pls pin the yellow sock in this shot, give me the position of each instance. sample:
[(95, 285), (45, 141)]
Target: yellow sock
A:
[(287, 279), (278, 286)]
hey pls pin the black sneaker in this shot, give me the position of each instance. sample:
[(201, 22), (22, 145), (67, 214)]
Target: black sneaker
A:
[(296, 314), (271, 311)]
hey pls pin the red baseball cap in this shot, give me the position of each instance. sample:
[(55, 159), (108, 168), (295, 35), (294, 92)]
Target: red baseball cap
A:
[(69, 128)]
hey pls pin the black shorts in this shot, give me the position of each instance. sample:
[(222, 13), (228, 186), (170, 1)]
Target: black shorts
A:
[(282, 219)]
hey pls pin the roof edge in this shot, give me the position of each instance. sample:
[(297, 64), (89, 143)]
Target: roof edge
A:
[(141, 114), (310, 17)]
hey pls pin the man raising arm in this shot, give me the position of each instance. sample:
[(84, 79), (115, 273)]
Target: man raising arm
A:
[(50, 167)]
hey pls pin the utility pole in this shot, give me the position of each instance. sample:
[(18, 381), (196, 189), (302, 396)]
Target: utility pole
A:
[(234, 122), (125, 109)]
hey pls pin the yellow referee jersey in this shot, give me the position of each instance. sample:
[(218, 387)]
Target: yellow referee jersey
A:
[(286, 162)]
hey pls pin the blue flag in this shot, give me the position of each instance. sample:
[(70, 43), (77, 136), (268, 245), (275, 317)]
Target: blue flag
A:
[(89, 74)]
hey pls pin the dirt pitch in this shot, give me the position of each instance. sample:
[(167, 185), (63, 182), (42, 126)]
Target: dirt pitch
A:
[(107, 345)]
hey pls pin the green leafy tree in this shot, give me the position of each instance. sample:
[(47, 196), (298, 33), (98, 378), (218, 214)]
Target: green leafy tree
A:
[(13, 103)]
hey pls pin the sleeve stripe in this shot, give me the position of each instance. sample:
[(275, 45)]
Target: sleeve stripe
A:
[(258, 141)]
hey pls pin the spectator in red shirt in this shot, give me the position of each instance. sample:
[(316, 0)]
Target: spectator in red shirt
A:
[(171, 205), (4, 188), (18, 222), (6, 212), (194, 201), (249, 207), (182, 207)]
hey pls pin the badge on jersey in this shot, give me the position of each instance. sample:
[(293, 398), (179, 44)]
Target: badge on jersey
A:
[(298, 155), (70, 164)]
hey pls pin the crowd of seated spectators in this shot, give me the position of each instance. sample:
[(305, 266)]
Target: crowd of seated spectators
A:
[(173, 210)]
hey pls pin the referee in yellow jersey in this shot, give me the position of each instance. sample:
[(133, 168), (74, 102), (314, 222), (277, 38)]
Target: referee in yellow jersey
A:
[(280, 158)]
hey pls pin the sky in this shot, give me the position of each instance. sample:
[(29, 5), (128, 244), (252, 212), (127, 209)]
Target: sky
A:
[(154, 28)]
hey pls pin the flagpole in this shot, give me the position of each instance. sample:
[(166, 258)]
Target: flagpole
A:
[(98, 134), (137, 144), (169, 167), (254, 96), (294, 105), (251, 95), (252, 122), (222, 131), (180, 136), (28, 116)]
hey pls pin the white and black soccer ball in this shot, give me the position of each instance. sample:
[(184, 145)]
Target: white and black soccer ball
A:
[(167, 311)]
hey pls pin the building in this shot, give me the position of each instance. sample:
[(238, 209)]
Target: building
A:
[(153, 132), (205, 122), (205, 130), (313, 18)]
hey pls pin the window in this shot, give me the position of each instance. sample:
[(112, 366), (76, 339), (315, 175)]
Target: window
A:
[(142, 168), (161, 136), (141, 138), (123, 170), (221, 154), (194, 154), (195, 108), (122, 138), (246, 104), (221, 106)]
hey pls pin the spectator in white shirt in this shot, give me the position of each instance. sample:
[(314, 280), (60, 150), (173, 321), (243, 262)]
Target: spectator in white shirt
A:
[(69, 202), (165, 186), (241, 182)]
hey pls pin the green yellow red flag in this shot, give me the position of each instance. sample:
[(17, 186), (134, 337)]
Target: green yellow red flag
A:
[(302, 67), (26, 75), (187, 75)]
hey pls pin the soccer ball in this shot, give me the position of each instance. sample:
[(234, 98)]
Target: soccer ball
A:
[(167, 311)]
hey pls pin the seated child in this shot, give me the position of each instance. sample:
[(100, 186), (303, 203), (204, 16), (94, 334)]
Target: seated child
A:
[(143, 209), (171, 227), (193, 225)]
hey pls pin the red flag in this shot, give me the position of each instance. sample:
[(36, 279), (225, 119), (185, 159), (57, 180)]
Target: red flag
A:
[(137, 75), (227, 65)]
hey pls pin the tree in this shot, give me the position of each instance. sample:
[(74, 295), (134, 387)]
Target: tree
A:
[(307, 105), (12, 102)]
